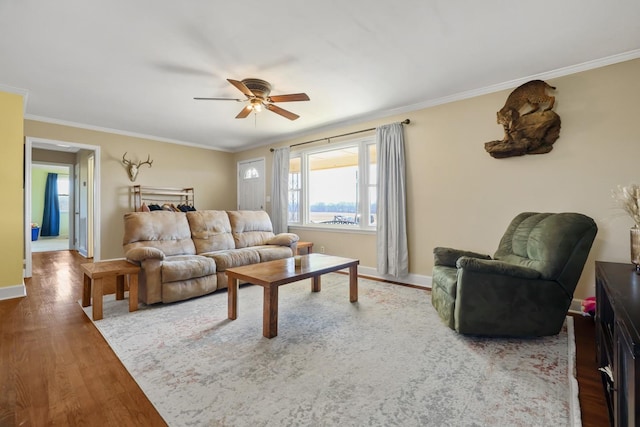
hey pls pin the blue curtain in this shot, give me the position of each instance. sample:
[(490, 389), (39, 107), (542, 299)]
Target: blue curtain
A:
[(51, 216)]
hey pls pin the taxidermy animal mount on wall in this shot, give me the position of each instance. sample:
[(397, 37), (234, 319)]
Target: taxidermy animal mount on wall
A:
[(528, 127), (134, 168)]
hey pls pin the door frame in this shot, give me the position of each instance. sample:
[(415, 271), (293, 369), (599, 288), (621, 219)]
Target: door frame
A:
[(27, 195), (72, 198), (239, 179)]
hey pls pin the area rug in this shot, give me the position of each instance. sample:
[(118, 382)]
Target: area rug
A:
[(386, 360)]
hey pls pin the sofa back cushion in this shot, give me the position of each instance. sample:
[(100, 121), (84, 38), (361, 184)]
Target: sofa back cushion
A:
[(250, 228), (210, 231), (167, 231)]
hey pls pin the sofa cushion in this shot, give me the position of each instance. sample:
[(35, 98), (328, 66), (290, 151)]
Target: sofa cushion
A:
[(167, 231), (184, 267), (210, 231), (185, 289), (270, 253), (250, 228), (234, 258)]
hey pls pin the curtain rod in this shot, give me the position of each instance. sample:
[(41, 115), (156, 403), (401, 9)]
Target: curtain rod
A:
[(328, 138)]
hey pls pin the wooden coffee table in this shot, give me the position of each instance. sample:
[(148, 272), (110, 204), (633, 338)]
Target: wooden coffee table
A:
[(272, 274)]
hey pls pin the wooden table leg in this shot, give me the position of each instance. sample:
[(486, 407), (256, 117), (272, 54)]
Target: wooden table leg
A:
[(86, 291), (232, 298), (270, 312), (120, 287), (133, 291), (353, 283), (96, 296), (315, 284)]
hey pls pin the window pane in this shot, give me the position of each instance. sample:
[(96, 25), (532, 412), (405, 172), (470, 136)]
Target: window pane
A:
[(251, 173), (63, 193), (373, 205), (63, 185), (333, 187)]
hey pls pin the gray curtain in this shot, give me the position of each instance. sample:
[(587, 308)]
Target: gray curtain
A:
[(392, 252), (280, 190)]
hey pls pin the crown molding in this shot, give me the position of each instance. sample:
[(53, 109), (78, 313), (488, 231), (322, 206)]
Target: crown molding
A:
[(119, 132)]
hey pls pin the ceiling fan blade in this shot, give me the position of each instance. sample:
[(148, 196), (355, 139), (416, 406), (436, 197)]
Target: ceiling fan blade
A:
[(288, 114), (219, 99), (242, 87), (290, 97), (245, 112)]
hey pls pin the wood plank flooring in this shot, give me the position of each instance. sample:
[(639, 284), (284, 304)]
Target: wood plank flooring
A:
[(56, 369)]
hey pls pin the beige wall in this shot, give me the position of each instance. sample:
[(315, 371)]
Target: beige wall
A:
[(459, 196), (11, 176), (211, 173)]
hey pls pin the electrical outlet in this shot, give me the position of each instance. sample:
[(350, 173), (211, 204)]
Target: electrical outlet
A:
[(321, 249)]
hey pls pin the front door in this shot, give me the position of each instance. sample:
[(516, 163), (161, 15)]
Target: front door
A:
[(251, 185)]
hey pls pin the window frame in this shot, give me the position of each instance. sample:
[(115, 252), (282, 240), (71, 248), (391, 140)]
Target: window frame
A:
[(364, 185)]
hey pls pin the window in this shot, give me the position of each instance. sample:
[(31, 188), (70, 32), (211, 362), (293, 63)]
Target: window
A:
[(334, 187), (63, 193), (251, 173)]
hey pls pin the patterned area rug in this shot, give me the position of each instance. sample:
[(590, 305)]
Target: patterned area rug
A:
[(386, 360)]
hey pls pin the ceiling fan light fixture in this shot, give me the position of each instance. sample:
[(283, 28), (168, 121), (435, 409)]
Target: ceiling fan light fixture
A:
[(256, 105), (258, 95)]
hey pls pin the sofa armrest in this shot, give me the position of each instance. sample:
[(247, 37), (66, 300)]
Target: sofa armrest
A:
[(449, 256), (284, 239), (488, 266), (143, 253)]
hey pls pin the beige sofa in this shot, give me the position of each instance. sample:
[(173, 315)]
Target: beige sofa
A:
[(185, 255)]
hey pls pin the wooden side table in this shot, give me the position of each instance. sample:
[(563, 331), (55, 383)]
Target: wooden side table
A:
[(96, 271), (304, 245)]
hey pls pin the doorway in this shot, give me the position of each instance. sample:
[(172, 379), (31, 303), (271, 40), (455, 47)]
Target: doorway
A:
[(43, 238), (251, 185), (86, 173)]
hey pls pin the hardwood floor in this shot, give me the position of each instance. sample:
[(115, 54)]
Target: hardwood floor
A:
[(56, 369)]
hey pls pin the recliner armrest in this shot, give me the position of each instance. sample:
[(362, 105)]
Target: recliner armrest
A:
[(283, 239), (143, 253), (497, 267), (449, 256)]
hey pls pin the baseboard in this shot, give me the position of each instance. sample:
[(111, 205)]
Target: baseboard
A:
[(410, 279), (15, 291)]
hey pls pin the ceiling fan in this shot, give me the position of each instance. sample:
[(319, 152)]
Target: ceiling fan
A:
[(257, 92)]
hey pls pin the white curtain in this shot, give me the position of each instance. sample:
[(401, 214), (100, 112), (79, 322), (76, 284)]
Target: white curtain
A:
[(280, 190), (392, 252)]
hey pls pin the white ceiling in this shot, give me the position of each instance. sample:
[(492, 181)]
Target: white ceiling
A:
[(134, 66)]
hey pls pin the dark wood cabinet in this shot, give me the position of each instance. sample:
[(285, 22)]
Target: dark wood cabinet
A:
[(618, 340)]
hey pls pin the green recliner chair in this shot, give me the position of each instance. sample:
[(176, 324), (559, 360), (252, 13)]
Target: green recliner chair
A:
[(526, 289)]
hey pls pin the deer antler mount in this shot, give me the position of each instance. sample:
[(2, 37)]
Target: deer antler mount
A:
[(133, 168)]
